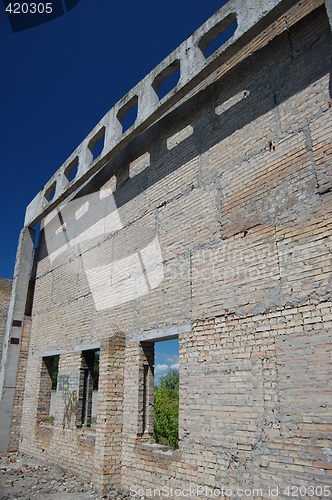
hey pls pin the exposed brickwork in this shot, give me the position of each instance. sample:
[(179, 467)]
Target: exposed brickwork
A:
[(240, 201), (5, 289), (107, 456), (255, 406), (20, 384)]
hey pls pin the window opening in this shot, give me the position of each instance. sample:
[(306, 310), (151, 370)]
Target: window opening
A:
[(160, 391), (89, 375), (48, 383), (55, 372)]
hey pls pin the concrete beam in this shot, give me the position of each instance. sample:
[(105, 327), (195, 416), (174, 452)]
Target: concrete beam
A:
[(91, 346), (14, 328), (169, 333), (52, 352), (249, 16)]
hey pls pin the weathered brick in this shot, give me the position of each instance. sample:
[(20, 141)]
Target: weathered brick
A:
[(238, 198)]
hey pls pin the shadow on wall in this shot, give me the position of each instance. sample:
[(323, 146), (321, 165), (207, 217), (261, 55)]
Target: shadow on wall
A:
[(266, 90)]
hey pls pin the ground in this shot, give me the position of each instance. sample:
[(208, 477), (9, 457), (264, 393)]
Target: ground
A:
[(23, 477)]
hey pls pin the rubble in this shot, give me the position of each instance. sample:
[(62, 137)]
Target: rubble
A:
[(23, 477)]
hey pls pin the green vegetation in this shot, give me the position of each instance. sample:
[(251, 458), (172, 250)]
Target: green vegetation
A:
[(96, 370), (170, 380), (166, 410)]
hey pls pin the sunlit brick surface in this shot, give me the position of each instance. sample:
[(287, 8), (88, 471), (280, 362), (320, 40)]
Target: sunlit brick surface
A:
[(240, 201)]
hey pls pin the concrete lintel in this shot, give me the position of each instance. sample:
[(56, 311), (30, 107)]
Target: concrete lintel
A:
[(52, 352), (169, 333), (92, 346), (251, 17)]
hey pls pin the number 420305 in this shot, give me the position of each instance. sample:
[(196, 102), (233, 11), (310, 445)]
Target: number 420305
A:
[(29, 8)]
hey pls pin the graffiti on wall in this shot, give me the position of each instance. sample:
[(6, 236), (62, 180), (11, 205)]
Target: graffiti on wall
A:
[(69, 396)]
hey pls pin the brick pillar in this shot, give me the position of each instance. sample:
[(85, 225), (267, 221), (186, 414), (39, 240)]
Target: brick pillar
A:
[(20, 381), (146, 389), (107, 457)]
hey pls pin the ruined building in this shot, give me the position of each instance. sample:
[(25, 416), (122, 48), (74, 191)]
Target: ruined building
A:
[(207, 219)]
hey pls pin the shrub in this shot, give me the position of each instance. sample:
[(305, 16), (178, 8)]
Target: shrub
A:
[(166, 410)]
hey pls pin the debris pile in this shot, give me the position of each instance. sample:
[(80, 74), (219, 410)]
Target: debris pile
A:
[(23, 477)]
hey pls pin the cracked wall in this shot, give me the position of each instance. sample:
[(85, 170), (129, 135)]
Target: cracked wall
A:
[(239, 195)]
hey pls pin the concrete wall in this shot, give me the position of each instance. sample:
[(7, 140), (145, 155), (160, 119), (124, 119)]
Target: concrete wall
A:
[(235, 181), (5, 289), (15, 340)]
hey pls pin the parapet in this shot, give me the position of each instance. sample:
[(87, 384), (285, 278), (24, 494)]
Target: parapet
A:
[(247, 18)]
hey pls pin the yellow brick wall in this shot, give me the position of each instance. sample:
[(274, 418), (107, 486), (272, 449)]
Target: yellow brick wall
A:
[(240, 201)]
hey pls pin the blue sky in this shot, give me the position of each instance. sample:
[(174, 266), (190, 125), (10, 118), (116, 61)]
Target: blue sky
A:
[(60, 78), (166, 357)]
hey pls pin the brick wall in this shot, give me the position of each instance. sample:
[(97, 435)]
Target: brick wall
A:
[(20, 384), (234, 182)]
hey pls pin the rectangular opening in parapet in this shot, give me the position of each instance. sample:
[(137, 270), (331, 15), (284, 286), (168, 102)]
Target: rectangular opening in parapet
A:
[(167, 79), (128, 113), (96, 144), (71, 170), (218, 35), (50, 192)]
